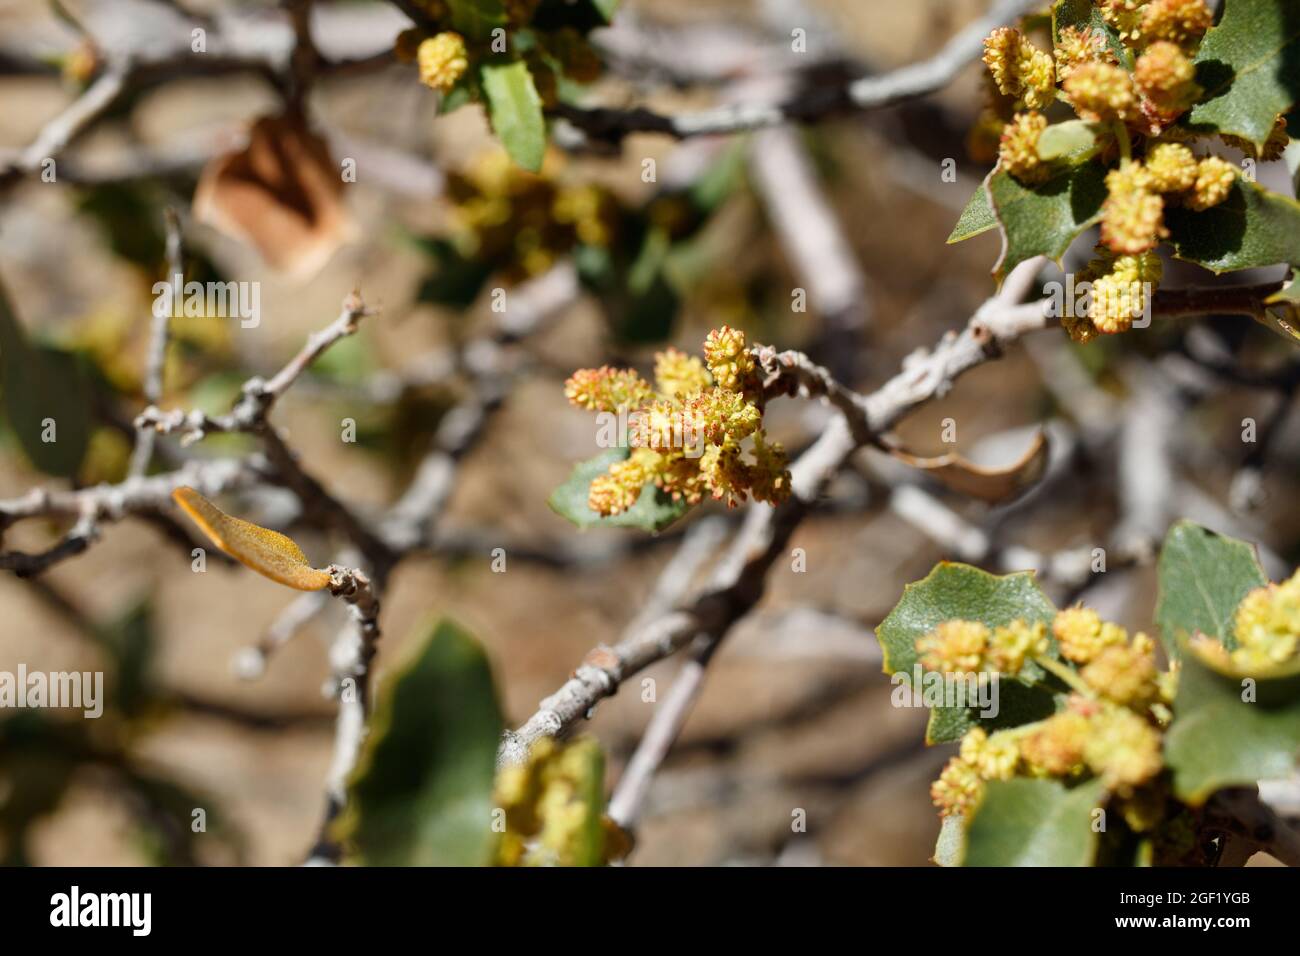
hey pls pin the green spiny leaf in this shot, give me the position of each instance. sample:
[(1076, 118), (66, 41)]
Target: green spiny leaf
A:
[(976, 219), (1253, 227), (1203, 577), (1043, 220), (1249, 66), (959, 591)]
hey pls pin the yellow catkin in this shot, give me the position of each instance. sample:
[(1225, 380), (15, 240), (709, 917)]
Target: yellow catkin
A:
[(1018, 148), (1101, 91), (1214, 181), (443, 60), (1177, 21), (267, 552)]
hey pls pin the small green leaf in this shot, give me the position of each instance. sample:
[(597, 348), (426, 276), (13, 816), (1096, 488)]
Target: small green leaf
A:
[(515, 111), (46, 398), (1033, 823), (1073, 140), (421, 794), (976, 219), (1253, 227), (1043, 220), (959, 591), (951, 845), (1249, 66), (1218, 739), (653, 511), (1203, 577), (477, 18)]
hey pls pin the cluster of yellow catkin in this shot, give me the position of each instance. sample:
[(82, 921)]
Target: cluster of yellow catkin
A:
[(443, 56), (521, 223), (1137, 110), (1110, 727), (687, 430)]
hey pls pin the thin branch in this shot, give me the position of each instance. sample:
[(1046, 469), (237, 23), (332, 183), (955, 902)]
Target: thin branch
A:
[(55, 135), (109, 503), (250, 414), (351, 657), (158, 334), (250, 663), (865, 93)]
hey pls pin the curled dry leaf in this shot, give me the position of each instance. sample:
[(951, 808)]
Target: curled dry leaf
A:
[(281, 194), (267, 552), (987, 484)]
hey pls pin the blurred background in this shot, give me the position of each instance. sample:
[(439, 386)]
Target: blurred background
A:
[(796, 714)]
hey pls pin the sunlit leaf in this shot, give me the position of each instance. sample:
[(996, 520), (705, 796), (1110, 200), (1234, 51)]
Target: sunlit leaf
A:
[(267, 552)]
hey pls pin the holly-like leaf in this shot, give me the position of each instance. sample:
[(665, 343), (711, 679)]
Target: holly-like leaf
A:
[(958, 591), (1253, 227), (267, 552), (1043, 220), (46, 398), (421, 794), (1033, 823), (1203, 577), (1249, 66), (515, 110), (976, 219), (1229, 730), (653, 511)]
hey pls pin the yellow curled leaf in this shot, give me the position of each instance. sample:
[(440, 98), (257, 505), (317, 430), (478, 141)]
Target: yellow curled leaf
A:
[(267, 552)]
